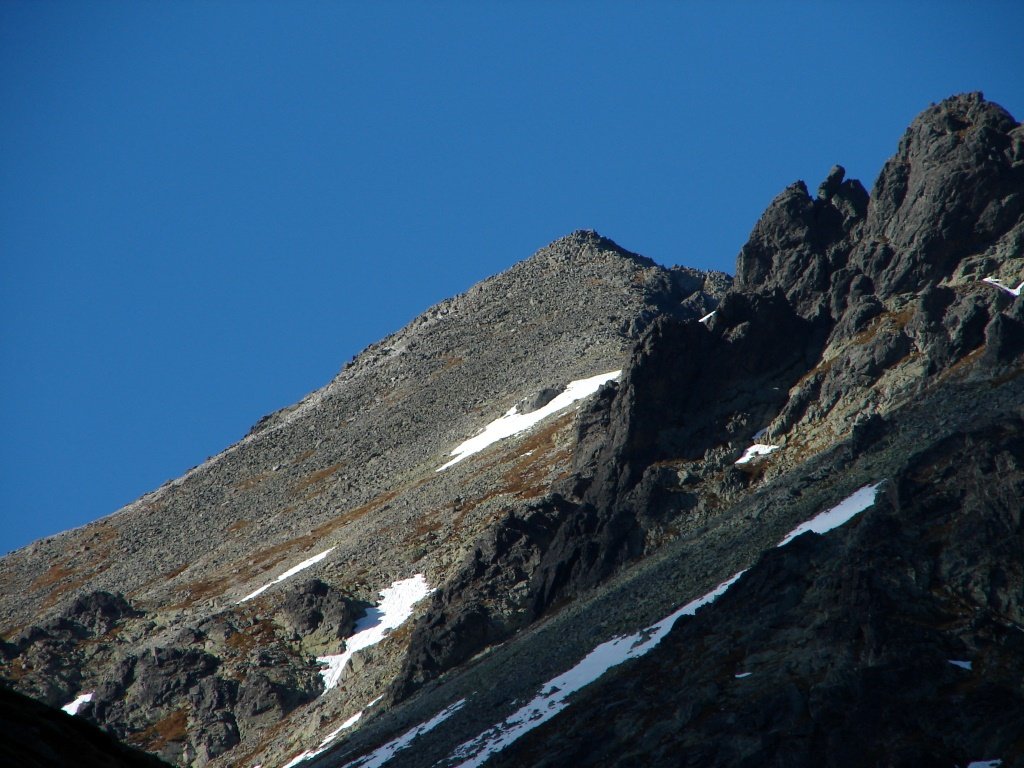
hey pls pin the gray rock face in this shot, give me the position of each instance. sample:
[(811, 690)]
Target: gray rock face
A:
[(99, 612), (494, 594), (859, 341), (953, 189)]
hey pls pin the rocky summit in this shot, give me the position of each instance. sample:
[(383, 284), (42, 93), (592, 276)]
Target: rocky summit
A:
[(600, 512)]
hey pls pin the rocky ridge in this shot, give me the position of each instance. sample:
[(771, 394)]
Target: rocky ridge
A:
[(860, 343)]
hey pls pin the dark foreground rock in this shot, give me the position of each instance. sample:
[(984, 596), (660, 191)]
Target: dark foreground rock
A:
[(33, 735)]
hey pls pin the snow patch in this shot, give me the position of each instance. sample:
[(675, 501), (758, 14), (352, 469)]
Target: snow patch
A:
[(73, 707), (396, 604), (741, 675), (708, 316), (998, 284), (513, 422), (985, 764), (384, 753), (963, 664), (288, 574), (845, 510), (757, 449), (553, 695)]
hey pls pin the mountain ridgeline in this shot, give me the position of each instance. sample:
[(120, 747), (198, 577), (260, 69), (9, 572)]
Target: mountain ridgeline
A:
[(559, 519)]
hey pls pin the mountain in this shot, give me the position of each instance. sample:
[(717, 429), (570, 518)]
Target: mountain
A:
[(595, 511)]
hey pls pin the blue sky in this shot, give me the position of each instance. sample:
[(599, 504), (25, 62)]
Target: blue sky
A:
[(207, 208)]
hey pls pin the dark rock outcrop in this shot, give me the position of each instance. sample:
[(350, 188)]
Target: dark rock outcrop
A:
[(954, 187), (800, 242), (491, 596), (100, 612), (314, 607)]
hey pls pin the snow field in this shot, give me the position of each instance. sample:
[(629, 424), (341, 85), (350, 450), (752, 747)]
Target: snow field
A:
[(845, 510), (999, 284), (513, 422), (757, 449), (396, 605), (72, 707)]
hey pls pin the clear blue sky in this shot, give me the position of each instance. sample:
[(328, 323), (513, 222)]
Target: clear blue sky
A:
[(206, 208)]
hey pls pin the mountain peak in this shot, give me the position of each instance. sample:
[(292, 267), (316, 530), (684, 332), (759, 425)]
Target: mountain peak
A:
[(957, 116), (587, 243)]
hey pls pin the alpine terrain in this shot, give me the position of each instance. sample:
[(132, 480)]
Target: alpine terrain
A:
[(598, 512)]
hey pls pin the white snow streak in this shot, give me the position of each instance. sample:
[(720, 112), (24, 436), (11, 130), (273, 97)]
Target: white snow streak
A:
[(300, 757), (74, 706), (741, 675), (345, 725), (708, 316), (329, 737), (288, 574), (553, 694), (998, 284), (757, 449), (985, 764), (513, 422), (962, 664), (845, 510), (396, 603), (323, 744), (384, 753)]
